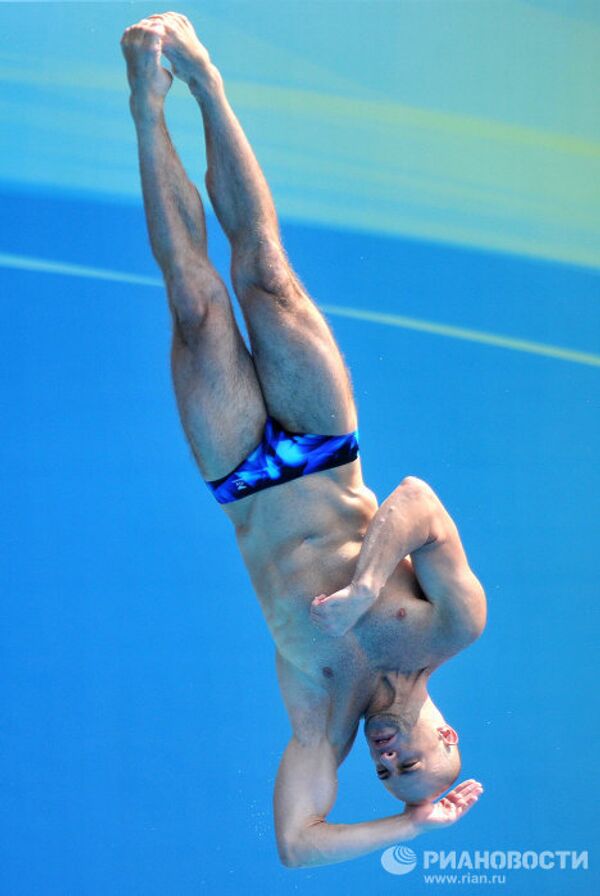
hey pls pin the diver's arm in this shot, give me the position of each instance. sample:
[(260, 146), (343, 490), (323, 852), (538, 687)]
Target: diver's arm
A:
[(306, 788), (306, 785), (411, 521), (305, 792)]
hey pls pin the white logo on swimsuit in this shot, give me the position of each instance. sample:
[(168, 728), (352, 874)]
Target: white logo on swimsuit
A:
[(399, 860), (240, 484)]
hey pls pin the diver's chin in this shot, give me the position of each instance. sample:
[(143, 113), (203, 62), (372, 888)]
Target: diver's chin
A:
[(380, 722)]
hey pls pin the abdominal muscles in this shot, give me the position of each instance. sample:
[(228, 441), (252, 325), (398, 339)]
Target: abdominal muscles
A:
[(303, 539)]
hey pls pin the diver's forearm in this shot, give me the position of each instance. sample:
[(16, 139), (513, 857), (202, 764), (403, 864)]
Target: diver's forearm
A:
[(326, 844), (403, 523)]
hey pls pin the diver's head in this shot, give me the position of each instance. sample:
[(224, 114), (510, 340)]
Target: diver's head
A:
[(416, 762)]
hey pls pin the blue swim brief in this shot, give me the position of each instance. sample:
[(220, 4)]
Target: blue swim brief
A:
[(282, 456)]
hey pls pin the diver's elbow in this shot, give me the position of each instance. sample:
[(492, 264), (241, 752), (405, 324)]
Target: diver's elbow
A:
[(291, 860), (297, 850), (478, 615), (290, 852)]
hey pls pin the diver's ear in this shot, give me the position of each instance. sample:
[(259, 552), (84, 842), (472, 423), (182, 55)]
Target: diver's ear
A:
[(448, 734)]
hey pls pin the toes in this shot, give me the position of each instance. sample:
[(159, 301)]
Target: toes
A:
[(171, 17), (145, 33)]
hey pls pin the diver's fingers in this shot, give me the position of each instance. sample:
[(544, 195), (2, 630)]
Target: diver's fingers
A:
[(464, 800), (467, 804), (465, 787), (318, 617), (465, 794)]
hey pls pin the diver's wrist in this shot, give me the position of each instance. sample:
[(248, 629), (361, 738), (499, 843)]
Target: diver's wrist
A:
[(410, 828), (365, 588)]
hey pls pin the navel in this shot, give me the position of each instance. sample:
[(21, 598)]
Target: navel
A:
[(401, 613), (327, 671)]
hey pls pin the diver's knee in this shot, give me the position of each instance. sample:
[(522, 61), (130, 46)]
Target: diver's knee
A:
[(194, 297), (260, 266)]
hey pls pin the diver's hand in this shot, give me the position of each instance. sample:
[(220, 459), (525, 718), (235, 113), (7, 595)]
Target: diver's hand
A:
[(335, 614), (428, 816)]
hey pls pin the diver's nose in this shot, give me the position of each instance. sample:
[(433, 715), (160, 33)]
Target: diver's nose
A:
[(390, 755)]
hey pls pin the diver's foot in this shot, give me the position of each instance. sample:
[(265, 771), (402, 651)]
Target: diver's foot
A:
[(188, 57), (337, 613), (148, 79)]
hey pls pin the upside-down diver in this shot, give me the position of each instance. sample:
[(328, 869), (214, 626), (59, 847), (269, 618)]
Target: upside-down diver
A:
[(363, 602)]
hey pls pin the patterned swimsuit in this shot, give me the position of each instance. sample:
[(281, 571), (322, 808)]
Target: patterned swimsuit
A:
[(282, 456)]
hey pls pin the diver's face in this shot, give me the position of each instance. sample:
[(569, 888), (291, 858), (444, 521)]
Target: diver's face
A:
[(410, 763)]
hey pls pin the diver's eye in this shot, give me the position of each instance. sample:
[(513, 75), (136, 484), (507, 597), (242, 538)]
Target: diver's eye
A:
[(410, 766), (382, 774)]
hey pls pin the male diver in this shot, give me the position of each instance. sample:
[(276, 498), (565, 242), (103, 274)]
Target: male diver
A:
[(363, 603)]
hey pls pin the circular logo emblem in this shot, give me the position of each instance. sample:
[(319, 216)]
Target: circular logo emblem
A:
[(399, 860)]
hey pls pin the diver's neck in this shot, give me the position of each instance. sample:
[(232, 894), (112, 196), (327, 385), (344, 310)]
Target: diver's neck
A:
[(400, 694)]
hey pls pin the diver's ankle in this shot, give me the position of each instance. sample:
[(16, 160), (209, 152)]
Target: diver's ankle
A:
[(146, 108), (206, 83)]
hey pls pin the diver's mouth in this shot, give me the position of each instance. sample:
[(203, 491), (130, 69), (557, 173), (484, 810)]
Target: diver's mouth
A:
[(381, 733)]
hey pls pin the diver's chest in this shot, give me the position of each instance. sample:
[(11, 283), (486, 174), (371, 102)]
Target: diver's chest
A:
[(397, 632)]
